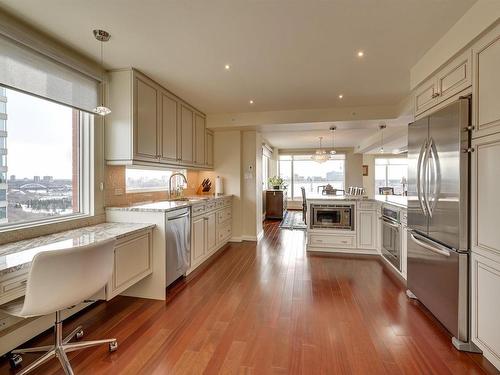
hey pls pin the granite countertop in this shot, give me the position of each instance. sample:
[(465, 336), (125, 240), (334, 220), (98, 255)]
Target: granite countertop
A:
[(396, 200), (18, 255), (164, 206), (337, 197)]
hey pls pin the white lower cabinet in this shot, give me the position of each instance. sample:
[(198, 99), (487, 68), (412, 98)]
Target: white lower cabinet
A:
[(132, 262), (210, 229), (486, 304), (198, 240), (367, 229)]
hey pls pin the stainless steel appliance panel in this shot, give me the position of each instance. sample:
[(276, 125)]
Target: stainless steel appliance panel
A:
[(418, 132), (332, 216), (446, 170), (437, 276), (391, 242)]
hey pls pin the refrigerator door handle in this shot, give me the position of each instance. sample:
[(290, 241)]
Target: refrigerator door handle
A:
[(423, 150), (436, 171), (425, 165), (429, 245)]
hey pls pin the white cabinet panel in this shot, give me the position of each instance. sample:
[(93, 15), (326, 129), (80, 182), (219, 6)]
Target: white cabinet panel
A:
[(198, 240), (132, 262), (211, 231), (486, 88), (367, 229), (426, 96), (454, 77), (486, 306), (169, 134), (146, 130), (200, 135), (485, 199), (210, 148), (187, 135)]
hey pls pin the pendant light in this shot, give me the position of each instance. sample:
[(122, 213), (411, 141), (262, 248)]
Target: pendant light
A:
[(332, 130), (382, 127), (320, 155), (102, 110)]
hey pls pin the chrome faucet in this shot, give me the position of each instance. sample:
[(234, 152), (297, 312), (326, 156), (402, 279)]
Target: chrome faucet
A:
[(170, 182)]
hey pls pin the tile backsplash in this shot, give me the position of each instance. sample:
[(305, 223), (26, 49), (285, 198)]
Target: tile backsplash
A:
[(116, 192)]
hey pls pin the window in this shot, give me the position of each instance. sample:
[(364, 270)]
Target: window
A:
[(151, 179), (41, 162), (391, 172), (301, 171), (265, 171)]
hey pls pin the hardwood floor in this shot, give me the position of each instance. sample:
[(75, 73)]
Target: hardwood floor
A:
[(271, 309)]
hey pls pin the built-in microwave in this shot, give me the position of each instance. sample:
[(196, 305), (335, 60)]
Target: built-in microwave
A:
[(332, 216)]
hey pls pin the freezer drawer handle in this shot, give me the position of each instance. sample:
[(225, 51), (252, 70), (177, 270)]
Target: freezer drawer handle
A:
[(428, 246)]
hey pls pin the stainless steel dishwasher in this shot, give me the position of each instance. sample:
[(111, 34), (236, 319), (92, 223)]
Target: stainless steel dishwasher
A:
[(178, 241)]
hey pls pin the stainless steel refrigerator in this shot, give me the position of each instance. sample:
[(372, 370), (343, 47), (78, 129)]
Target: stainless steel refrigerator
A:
[(438, 217)]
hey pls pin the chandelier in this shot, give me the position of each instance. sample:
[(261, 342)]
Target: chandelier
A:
[(320, 155), (101, 109)]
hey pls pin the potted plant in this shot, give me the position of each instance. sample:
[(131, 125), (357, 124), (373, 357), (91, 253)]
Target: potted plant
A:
[(277, 183)]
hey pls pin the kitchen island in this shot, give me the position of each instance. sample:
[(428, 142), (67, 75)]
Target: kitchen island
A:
[(353, 224)]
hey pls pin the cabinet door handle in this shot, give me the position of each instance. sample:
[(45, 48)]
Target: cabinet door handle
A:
[(435, 95)]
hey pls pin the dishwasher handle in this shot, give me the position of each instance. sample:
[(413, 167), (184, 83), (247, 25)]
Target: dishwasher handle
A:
[(178, 217)]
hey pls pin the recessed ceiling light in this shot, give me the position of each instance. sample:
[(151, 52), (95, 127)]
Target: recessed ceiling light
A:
[(341, 96), (361, 53), (251, 101), (227, 66)]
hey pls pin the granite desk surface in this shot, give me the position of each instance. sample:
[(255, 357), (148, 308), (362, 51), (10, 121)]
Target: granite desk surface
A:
[(18, 255), (168, 205)]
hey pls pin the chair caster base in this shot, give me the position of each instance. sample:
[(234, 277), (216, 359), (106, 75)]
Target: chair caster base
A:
[(15, 360), (113, 346), (79, 334)]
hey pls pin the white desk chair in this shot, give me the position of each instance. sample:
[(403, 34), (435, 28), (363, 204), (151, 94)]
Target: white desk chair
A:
[(59, 279)]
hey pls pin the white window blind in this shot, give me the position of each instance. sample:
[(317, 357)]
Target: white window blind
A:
[(25, 69)]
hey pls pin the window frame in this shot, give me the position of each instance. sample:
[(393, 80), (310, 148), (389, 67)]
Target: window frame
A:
[(86, 175), (292, 170), (386, 168), (151, 189)]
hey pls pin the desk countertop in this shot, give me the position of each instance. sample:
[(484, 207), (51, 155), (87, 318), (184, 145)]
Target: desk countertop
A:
[(18, 255)]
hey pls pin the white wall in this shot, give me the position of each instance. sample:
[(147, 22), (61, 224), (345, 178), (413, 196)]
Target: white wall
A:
[(227, 164), (477, 19)]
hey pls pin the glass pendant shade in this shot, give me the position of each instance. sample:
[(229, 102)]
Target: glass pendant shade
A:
[(102, 110), (320, 155)]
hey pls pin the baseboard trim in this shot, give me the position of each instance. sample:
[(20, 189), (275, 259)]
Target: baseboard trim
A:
[(249, 238), (260, 235), (235, 239)]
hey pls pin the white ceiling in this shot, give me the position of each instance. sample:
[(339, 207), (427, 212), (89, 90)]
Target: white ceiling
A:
[(348, 133), (284, 54)]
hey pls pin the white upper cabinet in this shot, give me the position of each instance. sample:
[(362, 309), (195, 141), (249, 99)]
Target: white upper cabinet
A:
[(149, 125), (447, 82), (486, 88)]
